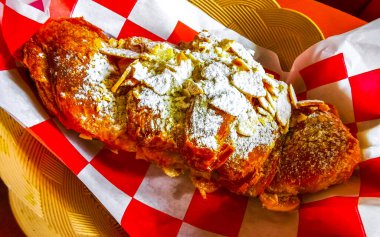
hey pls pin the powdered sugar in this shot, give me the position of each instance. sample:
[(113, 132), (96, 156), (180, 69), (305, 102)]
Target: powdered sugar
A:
[(123, 53), (261, 135), (94, 86), (140, 72), (182, 72), (160, 107), (204, 124), (160, 83), (215, 70)]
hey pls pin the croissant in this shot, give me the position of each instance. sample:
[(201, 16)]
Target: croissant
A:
[(205, 108)]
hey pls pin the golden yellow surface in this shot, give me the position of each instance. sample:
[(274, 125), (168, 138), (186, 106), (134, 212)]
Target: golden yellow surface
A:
[(48, 200)]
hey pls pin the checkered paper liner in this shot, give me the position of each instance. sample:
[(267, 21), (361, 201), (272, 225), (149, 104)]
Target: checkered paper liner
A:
[(343, 70)]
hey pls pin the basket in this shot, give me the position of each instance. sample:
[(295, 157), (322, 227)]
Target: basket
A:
[(48, 200)]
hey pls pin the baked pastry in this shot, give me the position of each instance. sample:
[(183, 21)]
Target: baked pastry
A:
[(205, 107), (318, 151)]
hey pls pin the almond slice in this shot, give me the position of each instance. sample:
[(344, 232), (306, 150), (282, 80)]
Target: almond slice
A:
[(292, 96), (230, 101), (270, 100), (249, 83), (265, 104), (121, 79), (270, 81), (240, 64), (241, 52), (272, 85), (140, 72), (192, 87), (263, 111), (283, 108), (122, 53), (84, 136), (215, 71), (246, 128), (160, 83), (304, 103)]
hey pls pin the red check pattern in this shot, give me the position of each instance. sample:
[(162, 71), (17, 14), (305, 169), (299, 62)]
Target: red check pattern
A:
[(320, 73), (131, 29), (125, 181), (337, 216), (142, 220), (365, 89), (12, 39), (222, 212), (370, 178), (122, 169)]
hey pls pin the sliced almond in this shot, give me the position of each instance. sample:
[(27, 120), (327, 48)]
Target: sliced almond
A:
[(292, 96), (301, 117), (241, 64), (112, 42), (84, 136), (215, 71), (130, 82), (270, 81), (305, 103), (226, 44), (122, 53), (172, 172), (182, 71), (114, 150), (121, 79), (272, 85), (121, 43), (192, 87), (283, 108), (242, 52), (284, 129), (275, 91), (136, 94), (265, 104), (263, 111), (271, 101), (272, 111), (230, 101), (181, 57), (160, 83), (246, 128), (249, 83), (186, 92), (140, 72)]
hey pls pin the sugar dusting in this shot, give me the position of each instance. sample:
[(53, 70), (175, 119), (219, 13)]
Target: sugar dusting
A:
[(204, 124), (200, 80), (94, 86)]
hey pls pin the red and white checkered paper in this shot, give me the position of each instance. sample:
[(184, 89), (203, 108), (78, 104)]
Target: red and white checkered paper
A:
[(343, 70)]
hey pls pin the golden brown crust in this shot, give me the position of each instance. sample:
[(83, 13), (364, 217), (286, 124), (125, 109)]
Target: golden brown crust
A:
[(319, 151), (57, 58)]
